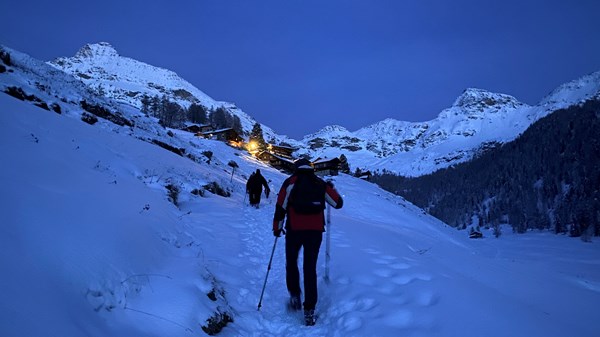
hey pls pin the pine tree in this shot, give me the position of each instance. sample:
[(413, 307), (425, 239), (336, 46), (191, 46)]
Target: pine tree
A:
[(257, 136), (196, 113), (146, 104), (218, 118), (236, 125), (155, 106), (171, 114)]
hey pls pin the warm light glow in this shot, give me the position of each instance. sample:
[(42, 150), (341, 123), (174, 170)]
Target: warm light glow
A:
[(236, 144), (252, 146)]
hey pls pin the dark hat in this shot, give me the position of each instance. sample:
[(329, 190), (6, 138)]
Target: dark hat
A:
[(302, 164)]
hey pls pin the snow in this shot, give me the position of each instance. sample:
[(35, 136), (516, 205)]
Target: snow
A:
[(91, 246), (575, 91), (127, 80), (476, 119), (105, 63)]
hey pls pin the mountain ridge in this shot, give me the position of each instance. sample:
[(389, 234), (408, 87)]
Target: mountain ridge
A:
[(477, 120), (127, 80)]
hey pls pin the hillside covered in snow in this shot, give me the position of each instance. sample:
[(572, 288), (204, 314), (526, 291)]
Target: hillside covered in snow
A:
[(127, 81), (106, 234)]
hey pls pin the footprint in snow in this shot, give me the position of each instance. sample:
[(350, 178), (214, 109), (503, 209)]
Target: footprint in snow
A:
[(427, 299), (350, 322), (399, 319), (371, 251), (385, 273), (408, 278)]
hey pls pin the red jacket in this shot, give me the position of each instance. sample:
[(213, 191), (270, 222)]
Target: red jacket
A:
[(296, 221)]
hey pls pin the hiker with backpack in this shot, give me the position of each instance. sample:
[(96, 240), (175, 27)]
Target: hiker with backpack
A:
[(254, 187), (301, 200)]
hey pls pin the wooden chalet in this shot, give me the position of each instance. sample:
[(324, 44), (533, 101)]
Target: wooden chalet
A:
[(365, 175), (475, 234), (282, 151), (327, 166), (276, 161), (197, 128), (225, 135)]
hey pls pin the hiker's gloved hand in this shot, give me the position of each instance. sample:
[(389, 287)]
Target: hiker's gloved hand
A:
[(277, 232)]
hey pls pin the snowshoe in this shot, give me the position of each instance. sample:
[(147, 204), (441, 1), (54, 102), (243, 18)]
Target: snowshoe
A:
[(309, 317)]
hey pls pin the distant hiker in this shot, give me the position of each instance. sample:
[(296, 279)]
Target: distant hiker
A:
[(254, 188), (302, 200)]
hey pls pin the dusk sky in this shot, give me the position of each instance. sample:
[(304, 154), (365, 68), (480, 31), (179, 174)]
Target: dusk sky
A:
[(298, 66)]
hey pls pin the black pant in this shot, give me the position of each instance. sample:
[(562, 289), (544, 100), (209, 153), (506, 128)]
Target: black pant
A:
[(311, 241), (255, 197)]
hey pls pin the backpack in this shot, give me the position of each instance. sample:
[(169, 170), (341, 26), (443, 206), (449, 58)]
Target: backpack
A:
[(308, 194)]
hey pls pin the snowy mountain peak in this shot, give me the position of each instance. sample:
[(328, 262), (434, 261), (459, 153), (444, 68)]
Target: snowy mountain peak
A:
[(329, 131), (386, 124), (102, 49), (581, 89), (334, 128), (128, 81), (479, 99), (477, 117)]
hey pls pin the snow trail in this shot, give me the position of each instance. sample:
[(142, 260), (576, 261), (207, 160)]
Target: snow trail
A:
[(354, 295)]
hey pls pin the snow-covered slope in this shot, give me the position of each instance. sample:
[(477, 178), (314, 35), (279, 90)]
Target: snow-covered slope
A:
[(87, 227), (477, 120), (586, 87), (52, 85), (126, 80), (40, 84), (92, 246)]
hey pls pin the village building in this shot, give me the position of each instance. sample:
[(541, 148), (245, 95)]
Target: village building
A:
[(282, 151), (326, 166), (278, 162), (365, 175), (228, 135), (197, 128)]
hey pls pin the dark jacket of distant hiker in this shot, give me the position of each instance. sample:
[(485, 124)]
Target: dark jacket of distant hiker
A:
[(254, 187)]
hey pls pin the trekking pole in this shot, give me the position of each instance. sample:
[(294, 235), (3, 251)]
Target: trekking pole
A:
[(266, 277), (327, 243)]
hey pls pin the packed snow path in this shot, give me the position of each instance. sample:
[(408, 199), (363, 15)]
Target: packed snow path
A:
[(343, 307), (396, 270)]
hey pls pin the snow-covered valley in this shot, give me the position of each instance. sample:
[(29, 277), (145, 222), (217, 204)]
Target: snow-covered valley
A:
[(92, 246)]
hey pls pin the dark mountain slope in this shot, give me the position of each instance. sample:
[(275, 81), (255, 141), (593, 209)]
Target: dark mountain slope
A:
[(549, 177)]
